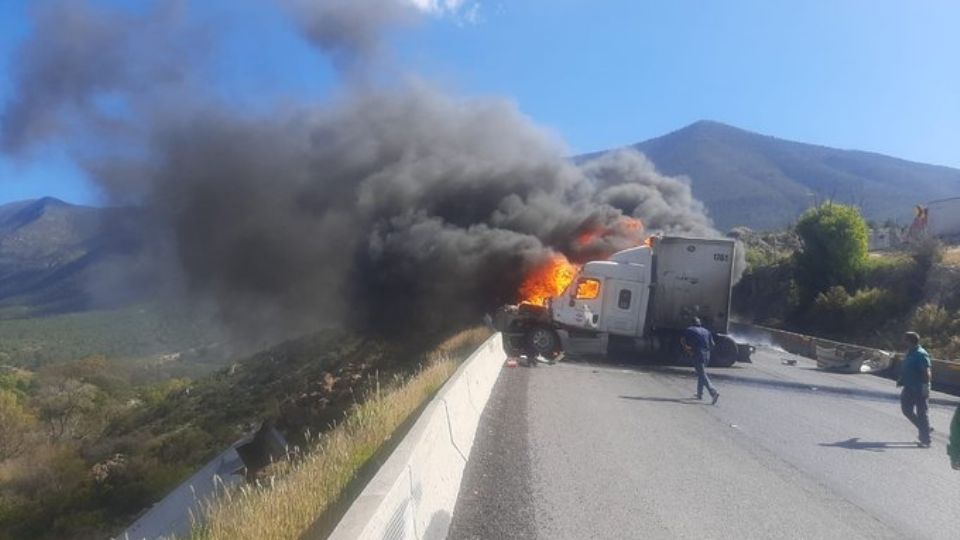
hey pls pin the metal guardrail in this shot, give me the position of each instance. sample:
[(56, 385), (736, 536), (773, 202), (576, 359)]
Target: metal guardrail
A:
[(846, 357)]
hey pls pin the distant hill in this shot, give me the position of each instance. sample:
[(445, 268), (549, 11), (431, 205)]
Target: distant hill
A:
[(764, 182), (52, 251)]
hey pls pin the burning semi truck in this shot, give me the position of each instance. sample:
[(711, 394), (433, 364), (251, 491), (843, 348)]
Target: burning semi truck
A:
[(639, 300)]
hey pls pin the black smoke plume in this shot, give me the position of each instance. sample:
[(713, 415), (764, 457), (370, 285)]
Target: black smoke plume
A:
[(388, 208)]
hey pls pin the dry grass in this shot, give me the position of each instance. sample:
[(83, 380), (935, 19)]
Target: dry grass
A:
[(463, 342), (951, 257), (299, 491)]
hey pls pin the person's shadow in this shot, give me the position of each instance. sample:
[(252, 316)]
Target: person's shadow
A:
[(871, 446), (682, 401)]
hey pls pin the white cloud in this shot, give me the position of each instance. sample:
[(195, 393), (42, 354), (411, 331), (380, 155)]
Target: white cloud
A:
[(465, 10), (437, 6)]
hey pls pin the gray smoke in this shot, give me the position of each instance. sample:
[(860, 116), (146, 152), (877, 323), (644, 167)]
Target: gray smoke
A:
[(388, 209), (664, 203), (351, 31), (77, 57)]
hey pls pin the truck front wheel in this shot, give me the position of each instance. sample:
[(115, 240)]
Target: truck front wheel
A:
[(543, 341)]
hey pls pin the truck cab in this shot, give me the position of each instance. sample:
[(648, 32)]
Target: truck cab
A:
[(608, 296)]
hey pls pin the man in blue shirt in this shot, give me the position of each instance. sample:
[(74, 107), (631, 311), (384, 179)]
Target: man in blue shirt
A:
[(697, 343), (915, 376)]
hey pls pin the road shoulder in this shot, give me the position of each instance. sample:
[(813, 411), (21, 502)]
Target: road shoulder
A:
[(498, 505)]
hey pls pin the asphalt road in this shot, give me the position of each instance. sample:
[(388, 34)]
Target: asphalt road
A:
[(580, 450)]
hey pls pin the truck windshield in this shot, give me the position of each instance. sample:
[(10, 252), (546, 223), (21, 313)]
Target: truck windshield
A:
[(588, 289)]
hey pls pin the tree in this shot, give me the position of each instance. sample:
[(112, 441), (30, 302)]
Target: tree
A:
[(16, 424), (834, 241), (65, 408)]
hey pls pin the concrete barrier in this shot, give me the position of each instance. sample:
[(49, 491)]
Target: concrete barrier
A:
[(413, 494), (946, 374)]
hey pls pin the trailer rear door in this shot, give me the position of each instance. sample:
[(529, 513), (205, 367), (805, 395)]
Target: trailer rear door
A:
[(693, 278)]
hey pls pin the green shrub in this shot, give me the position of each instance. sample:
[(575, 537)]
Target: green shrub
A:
[(885, 271), (837, 312), (950, 350), (188, 445), (767, 294), (834, 248), (833, 299), (137, 483), (828, 310), (939, 330), (759, 257), (16, 425), (868, 309), (927, 253), (934, 323), (157, 393), (15, 383), (900, 274)]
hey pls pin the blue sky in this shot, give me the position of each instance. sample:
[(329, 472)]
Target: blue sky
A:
[(880, 75)]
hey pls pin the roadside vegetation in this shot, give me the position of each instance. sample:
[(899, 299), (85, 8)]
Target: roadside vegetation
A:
[(132, 336), (294, 494), (65, 383), (84, 447), (818, 278)]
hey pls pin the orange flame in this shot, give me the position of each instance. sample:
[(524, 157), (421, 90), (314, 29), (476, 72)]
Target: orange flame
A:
[(552, 277), (588, 236), (625, 227), (547, 280), (631, 224)]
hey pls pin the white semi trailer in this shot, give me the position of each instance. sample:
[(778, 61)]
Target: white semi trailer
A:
[(944, 217), (640, 299)]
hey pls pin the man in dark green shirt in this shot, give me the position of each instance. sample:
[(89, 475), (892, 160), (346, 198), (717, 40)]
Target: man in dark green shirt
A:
[(915, 375)]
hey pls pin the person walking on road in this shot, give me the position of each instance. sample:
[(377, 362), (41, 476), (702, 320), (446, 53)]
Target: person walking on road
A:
[(915, 376), (697, 343), (953, 449)]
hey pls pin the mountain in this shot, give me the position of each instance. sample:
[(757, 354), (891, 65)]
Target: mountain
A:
[(58, 257), (764, 182), (52, 251)]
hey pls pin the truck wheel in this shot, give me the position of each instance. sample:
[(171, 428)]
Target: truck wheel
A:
[(724, 352), (543, 341)]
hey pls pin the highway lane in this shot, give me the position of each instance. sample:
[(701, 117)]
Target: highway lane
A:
[(582, 450)]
